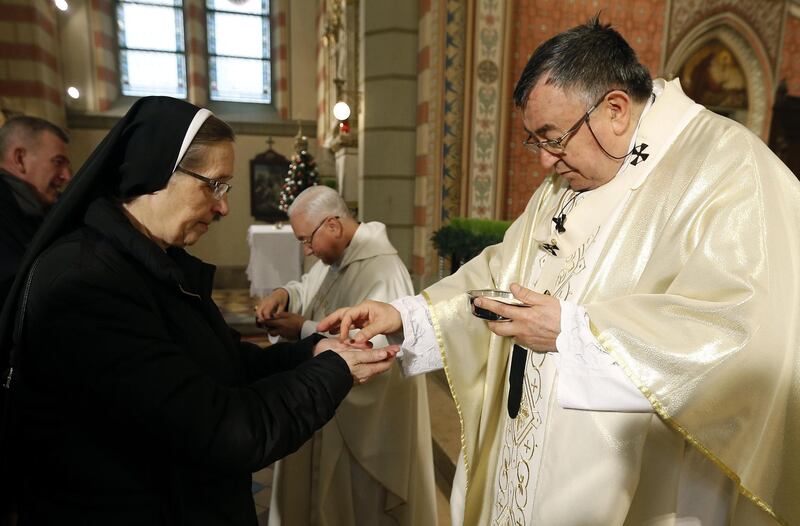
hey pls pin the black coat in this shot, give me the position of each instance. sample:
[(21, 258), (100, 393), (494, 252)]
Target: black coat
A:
[(135, 399), (16, 231)]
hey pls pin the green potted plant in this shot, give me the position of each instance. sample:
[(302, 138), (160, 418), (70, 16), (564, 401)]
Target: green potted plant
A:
[(464, 238)]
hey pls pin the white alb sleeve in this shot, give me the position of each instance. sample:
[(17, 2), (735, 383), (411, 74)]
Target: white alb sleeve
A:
[(588, 377), (309, 327), (420, 352)]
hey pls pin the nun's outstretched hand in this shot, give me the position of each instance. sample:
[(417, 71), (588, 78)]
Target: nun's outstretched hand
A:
[(363, 361)]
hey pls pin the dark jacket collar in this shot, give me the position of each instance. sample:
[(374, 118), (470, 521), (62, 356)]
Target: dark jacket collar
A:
[(16, 224), (24, 195), (175, 266)]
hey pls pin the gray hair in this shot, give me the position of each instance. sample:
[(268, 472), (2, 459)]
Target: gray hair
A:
[(318, 202), (28, 130), (590, 59), (214, 130)]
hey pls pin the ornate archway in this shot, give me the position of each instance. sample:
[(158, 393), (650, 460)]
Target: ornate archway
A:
[(730, 33)]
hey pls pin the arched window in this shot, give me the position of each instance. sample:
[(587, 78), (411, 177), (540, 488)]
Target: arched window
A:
[(152, 56), (239, 50)]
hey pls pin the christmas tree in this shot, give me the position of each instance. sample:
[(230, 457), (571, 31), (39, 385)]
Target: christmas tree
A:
[(302, 173)]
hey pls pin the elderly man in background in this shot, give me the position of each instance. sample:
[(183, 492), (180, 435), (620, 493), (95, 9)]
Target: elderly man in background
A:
[(372, 464), (34, 166)]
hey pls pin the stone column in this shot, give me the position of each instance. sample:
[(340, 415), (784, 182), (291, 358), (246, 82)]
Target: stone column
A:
[(194, 22), (346, 162), (387, 131), (30, 75)]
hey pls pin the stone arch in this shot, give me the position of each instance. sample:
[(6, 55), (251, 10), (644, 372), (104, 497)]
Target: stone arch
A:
[(748, 50)]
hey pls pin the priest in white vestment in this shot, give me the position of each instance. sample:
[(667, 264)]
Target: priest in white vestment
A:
[(372, 464), (652, 377)]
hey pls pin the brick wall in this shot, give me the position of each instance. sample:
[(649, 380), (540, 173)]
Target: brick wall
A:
[(106, 76), (790, 57), (196, 65), (427, 184), (30, 78), (280, 64)]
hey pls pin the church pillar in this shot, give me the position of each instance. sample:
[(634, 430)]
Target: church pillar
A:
[(387, 132), (346, 159), (30, 76), (196, 52)]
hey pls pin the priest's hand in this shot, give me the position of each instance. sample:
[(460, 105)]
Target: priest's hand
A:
[(372, 317), (284, 324), (535, 327), (272, 305), (363, 362)]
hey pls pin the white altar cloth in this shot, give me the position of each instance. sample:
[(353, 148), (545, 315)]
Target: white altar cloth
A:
[(276, 258)]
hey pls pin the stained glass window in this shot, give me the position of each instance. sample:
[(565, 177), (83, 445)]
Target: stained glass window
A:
[(239, 50), (152, 55)]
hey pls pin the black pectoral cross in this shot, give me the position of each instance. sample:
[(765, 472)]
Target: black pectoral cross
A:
[(639, 155), (559, 221), (551, 248)]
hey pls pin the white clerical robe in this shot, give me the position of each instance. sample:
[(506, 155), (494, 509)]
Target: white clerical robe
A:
[(372, 464), (690, 286)]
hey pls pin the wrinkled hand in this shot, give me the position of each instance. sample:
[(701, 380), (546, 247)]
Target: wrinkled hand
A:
[(272, 305), (372, 317), (363, 362), (284, 324), (535, 327)]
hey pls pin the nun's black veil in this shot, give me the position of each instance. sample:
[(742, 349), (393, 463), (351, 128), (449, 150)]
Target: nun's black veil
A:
[(137, 157)]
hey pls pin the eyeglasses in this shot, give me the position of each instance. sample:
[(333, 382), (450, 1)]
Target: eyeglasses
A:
[(218, 188), (556, 146), (310, 239)]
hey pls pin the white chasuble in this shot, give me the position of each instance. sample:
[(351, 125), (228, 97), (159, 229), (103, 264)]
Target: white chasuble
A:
[(690, 283), (559, 270), (372, 463)]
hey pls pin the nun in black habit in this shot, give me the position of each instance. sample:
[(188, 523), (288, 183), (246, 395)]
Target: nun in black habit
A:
[(131, 395)]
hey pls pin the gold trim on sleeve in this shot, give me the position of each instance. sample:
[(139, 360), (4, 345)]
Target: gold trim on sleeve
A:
[(610, 347), (440, 342)]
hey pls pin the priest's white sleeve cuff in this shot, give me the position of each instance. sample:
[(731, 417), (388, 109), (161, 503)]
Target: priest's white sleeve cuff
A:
[(420, 352), (309, 327), (588, 377)]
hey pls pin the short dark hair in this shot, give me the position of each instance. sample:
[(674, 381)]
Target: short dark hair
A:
[(213, 130), (591, 58), (29, 129)]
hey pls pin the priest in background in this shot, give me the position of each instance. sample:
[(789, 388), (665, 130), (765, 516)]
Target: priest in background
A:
[(372, 464), (651, 376)]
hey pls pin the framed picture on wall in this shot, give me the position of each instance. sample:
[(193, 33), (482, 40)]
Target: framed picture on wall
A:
[(714, 77), (267, 173)]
